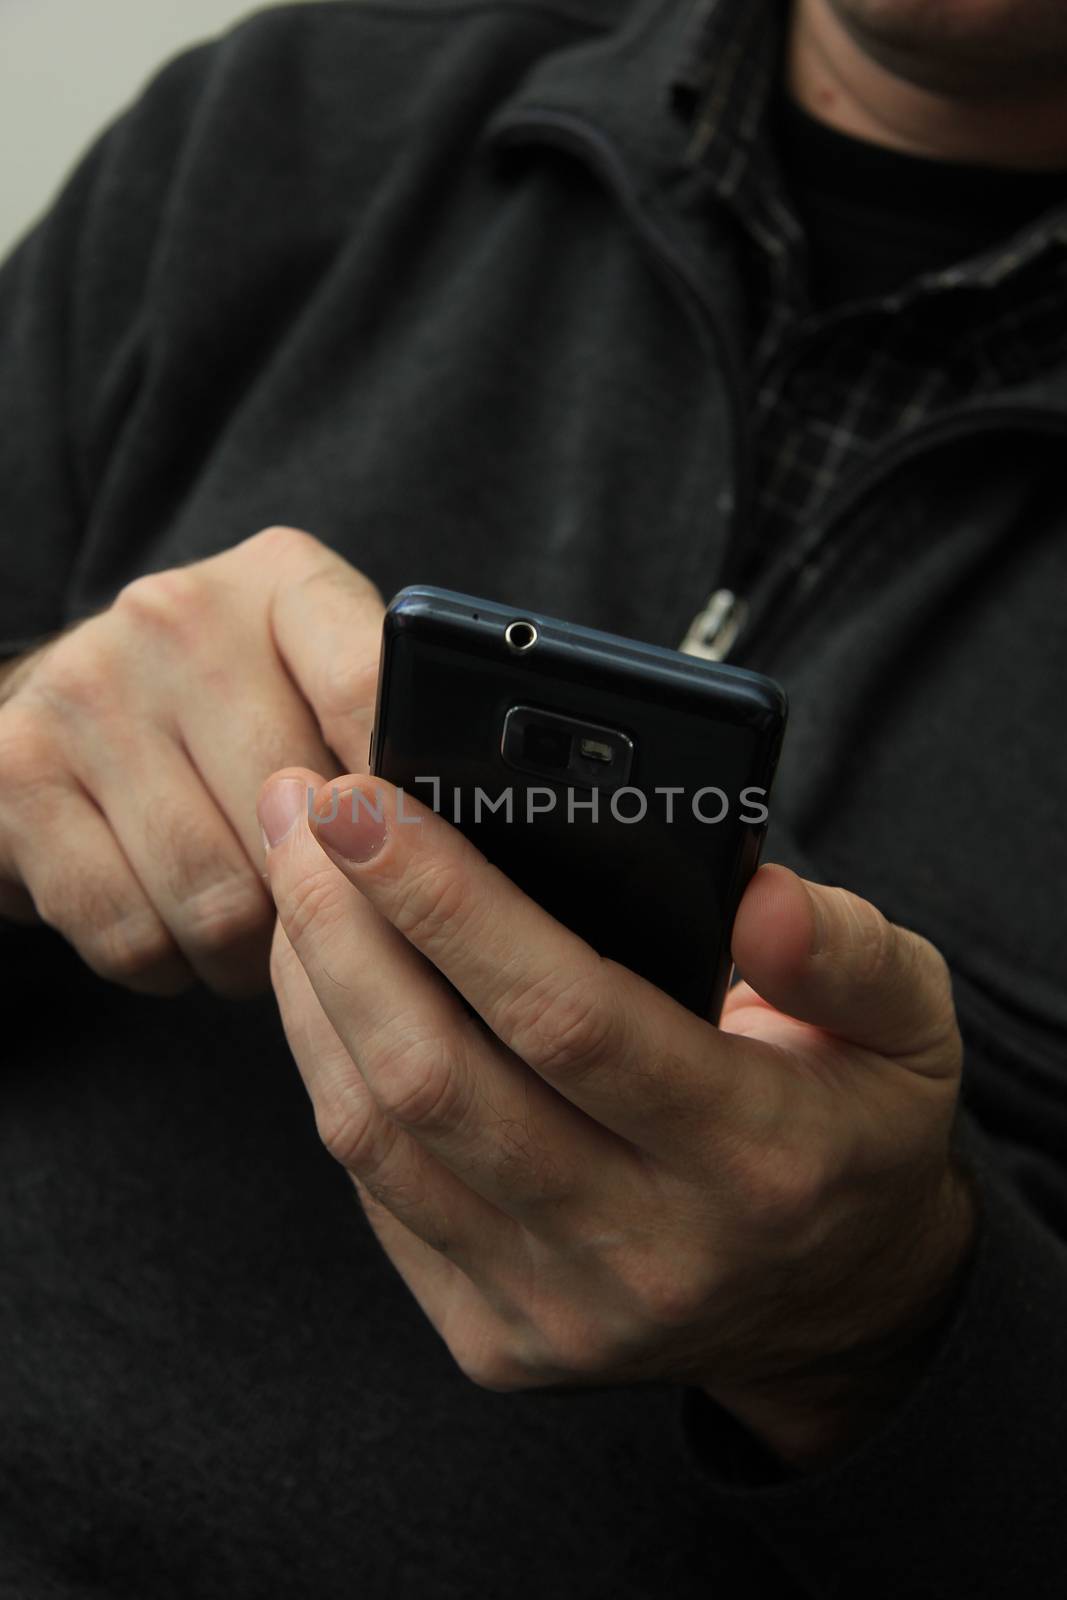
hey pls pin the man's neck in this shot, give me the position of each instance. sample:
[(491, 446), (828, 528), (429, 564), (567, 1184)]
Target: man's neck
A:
[(836, 76)]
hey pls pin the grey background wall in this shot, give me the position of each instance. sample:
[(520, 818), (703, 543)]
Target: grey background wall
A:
[(66, 67)]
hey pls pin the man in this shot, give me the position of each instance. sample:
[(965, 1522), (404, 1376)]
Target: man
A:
[(603, 311)]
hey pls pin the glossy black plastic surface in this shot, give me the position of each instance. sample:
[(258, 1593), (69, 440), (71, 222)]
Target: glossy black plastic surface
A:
[(657, 894)]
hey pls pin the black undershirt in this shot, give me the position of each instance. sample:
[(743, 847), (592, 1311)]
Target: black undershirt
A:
[(875, 217)]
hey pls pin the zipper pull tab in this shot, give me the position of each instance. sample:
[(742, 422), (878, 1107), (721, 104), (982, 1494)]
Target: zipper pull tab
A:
[(713, 631)]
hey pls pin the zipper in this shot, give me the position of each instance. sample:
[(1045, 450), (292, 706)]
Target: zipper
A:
[(727, 617), (568, 133), (712, 631)]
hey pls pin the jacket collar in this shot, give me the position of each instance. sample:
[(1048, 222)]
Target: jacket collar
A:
[(652, 82), (637, 79)]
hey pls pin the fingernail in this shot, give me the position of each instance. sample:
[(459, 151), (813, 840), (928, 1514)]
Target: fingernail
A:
[(354, 827), (279, 808)]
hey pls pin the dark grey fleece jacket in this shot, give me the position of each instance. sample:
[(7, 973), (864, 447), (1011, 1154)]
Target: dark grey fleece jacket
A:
[(430, 280)]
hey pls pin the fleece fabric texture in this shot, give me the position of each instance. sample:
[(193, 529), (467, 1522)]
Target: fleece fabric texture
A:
[(432, 281)]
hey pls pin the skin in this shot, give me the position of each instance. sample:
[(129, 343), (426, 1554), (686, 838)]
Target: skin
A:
[(140, 738), (977, 81), (597, 1187)]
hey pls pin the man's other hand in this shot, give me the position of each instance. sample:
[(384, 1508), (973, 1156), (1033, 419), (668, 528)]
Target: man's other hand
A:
[(132, 749)]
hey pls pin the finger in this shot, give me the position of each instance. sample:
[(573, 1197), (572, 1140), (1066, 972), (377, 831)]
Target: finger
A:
[(325, 619), (422, 1217), (429, 1067), (611, 1043), (232, 754), (186, 857), (87, 891), (235, 738), (477, 1333), (427, 1221), (232, 701), (392, 1167), (828, 957)]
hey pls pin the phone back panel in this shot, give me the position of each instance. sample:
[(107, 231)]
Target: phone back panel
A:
[(649, 881)]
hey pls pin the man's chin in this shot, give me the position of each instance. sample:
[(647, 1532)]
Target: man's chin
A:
[(979, 48)]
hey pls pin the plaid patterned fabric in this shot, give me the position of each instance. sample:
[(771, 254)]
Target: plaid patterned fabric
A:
[(830, 390)]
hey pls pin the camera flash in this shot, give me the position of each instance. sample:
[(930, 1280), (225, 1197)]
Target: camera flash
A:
[(596, 750)]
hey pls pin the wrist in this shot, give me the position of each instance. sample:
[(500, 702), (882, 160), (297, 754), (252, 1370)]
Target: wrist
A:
[(811, 1422), (813, 1415)]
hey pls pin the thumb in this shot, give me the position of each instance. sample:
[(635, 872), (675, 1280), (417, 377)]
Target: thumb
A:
[(829, 958)]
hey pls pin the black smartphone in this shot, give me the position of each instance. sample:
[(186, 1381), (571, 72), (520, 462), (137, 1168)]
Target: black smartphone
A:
[(623, 786)]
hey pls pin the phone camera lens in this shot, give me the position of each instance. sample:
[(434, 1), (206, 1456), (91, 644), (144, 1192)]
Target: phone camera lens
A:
[(521, 636), (545, 747)]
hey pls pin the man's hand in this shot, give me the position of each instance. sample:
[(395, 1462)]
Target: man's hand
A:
[(132, 749), (584, 1183)]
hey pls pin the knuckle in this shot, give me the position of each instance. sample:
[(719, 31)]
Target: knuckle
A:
[(313, 904), (576, 1345), (347, 1126), (169, 603), (279, 540), (78, 675), (927, 975), (872, 943), (561, 1030), (416, 1084), (899, 965), (28, 754), (227, 915), (334, 571), (218, 897), (85, 907), (14, 671), (779, 1188), (119, 944), (130, 949), (428, 904), (489, 1366), (671, 1295), (578, 1349)]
